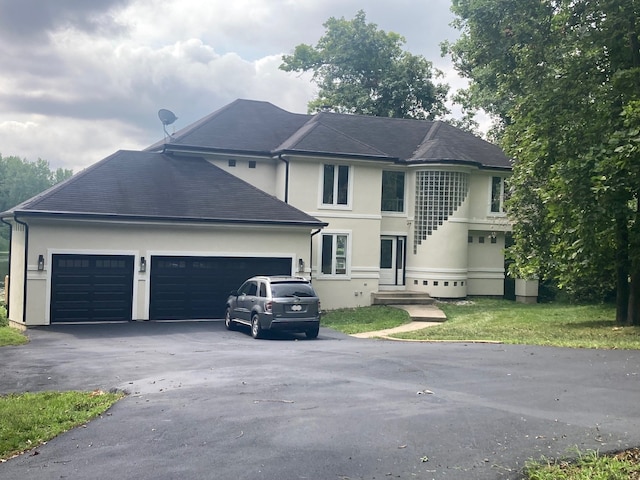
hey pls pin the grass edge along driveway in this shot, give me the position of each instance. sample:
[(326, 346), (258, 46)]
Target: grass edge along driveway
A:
[(550, 324)]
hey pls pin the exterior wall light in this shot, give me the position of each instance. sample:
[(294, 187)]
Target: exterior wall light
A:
[(300, 265), (40, 263), (143, 265)]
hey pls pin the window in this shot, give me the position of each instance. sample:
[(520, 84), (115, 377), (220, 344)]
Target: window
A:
[(392, 191), (438, 195), (252, 164), (497, 194), (232, 162), (249, 288), (334, 254), (335, 187)]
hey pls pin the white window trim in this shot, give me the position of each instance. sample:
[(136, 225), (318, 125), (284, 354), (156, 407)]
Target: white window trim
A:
[(345, 276), (335, 206), (502, 212)]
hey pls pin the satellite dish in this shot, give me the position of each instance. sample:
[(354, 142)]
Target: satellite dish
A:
[(167, 117)]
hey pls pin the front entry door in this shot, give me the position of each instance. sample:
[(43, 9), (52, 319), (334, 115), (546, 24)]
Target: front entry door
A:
[(392, 260)]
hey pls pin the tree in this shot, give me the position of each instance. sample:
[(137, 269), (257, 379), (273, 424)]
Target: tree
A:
[(557, 74), (21, 180), (361, 69)]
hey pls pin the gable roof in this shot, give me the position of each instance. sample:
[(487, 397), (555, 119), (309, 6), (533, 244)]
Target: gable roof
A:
[(260, 128), (155, 186)]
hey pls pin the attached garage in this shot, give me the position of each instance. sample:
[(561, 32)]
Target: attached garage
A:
[(197, 287), (91, 288), (147, 236)]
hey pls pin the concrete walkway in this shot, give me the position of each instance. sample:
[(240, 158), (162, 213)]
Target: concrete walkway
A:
[(422, 316)]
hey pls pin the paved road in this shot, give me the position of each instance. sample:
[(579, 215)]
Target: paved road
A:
[(205, 403)]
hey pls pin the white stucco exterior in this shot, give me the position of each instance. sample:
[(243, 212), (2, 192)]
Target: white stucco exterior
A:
[(463, 256), (49, 237)]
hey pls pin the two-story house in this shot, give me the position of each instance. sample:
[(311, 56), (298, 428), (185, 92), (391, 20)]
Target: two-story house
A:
[(358, 204), (410, 205)]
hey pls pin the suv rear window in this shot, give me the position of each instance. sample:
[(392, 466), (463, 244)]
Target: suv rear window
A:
[(279, 290)]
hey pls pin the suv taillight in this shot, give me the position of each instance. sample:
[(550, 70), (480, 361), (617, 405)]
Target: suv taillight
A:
[(268, 306)]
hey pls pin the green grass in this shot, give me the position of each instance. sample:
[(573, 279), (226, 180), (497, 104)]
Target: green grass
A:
[(30, 419), (589, 466), (8, 335), (560, 325), (364, 319)]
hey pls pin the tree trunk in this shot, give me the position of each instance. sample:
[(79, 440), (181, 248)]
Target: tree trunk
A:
[(633, 315), (622, 269)]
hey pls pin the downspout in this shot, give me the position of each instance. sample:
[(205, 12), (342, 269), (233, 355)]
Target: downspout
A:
[(311, 253), (26, 266), (9, 261), (286, 179)]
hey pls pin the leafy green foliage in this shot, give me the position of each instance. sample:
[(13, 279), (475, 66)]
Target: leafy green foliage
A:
[(21, 180), (361, 69), (29, 419), (557, 74)]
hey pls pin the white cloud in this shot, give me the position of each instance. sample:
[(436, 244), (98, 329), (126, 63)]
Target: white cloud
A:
[(96, 78)]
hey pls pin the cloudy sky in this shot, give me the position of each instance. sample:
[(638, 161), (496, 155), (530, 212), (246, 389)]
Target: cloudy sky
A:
[(81, 79)]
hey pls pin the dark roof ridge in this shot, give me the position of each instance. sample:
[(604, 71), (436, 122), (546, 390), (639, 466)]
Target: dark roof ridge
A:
[(379, 117), (316, 121), (430, 135), (195, 126)]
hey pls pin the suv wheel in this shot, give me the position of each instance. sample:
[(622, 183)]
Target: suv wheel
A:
[(313, 332), (256, 329), (227, 320)]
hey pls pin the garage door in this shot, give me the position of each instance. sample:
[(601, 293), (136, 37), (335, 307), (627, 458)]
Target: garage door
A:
[(197, 287), (91, 288)]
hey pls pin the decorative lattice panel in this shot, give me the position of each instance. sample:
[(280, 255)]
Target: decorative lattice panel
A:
[(438, 196)]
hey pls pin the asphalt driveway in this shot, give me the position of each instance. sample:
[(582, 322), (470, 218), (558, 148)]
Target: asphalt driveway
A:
[(205, 403)]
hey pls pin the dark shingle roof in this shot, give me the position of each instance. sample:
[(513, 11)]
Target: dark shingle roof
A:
[(247, 126), (155, 186), (242, 125)]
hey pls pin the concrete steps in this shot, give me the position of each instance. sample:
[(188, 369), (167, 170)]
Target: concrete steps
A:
[(401, 298)]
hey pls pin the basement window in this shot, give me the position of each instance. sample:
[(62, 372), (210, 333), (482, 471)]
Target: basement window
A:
[(232, 162), (252, 164)]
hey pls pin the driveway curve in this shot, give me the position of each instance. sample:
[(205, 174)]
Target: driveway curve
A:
[(206, 403)]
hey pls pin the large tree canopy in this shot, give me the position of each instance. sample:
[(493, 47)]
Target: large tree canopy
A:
[(361, 69), (21, 180), (557, 75)]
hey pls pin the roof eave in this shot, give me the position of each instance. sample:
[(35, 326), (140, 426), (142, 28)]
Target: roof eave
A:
[(352, 156), (458, 162), (194, 149), (151, 218)]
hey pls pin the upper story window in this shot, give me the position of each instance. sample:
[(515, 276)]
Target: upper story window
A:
[(392, 191), (497, 195), (335, 185)]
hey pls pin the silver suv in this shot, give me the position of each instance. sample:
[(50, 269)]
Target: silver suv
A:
[(274, 303)]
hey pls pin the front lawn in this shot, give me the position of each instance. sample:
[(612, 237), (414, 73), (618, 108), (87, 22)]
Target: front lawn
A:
[(8, 335), (551, 324), (30, 419), (559, 325), (364, 319)]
